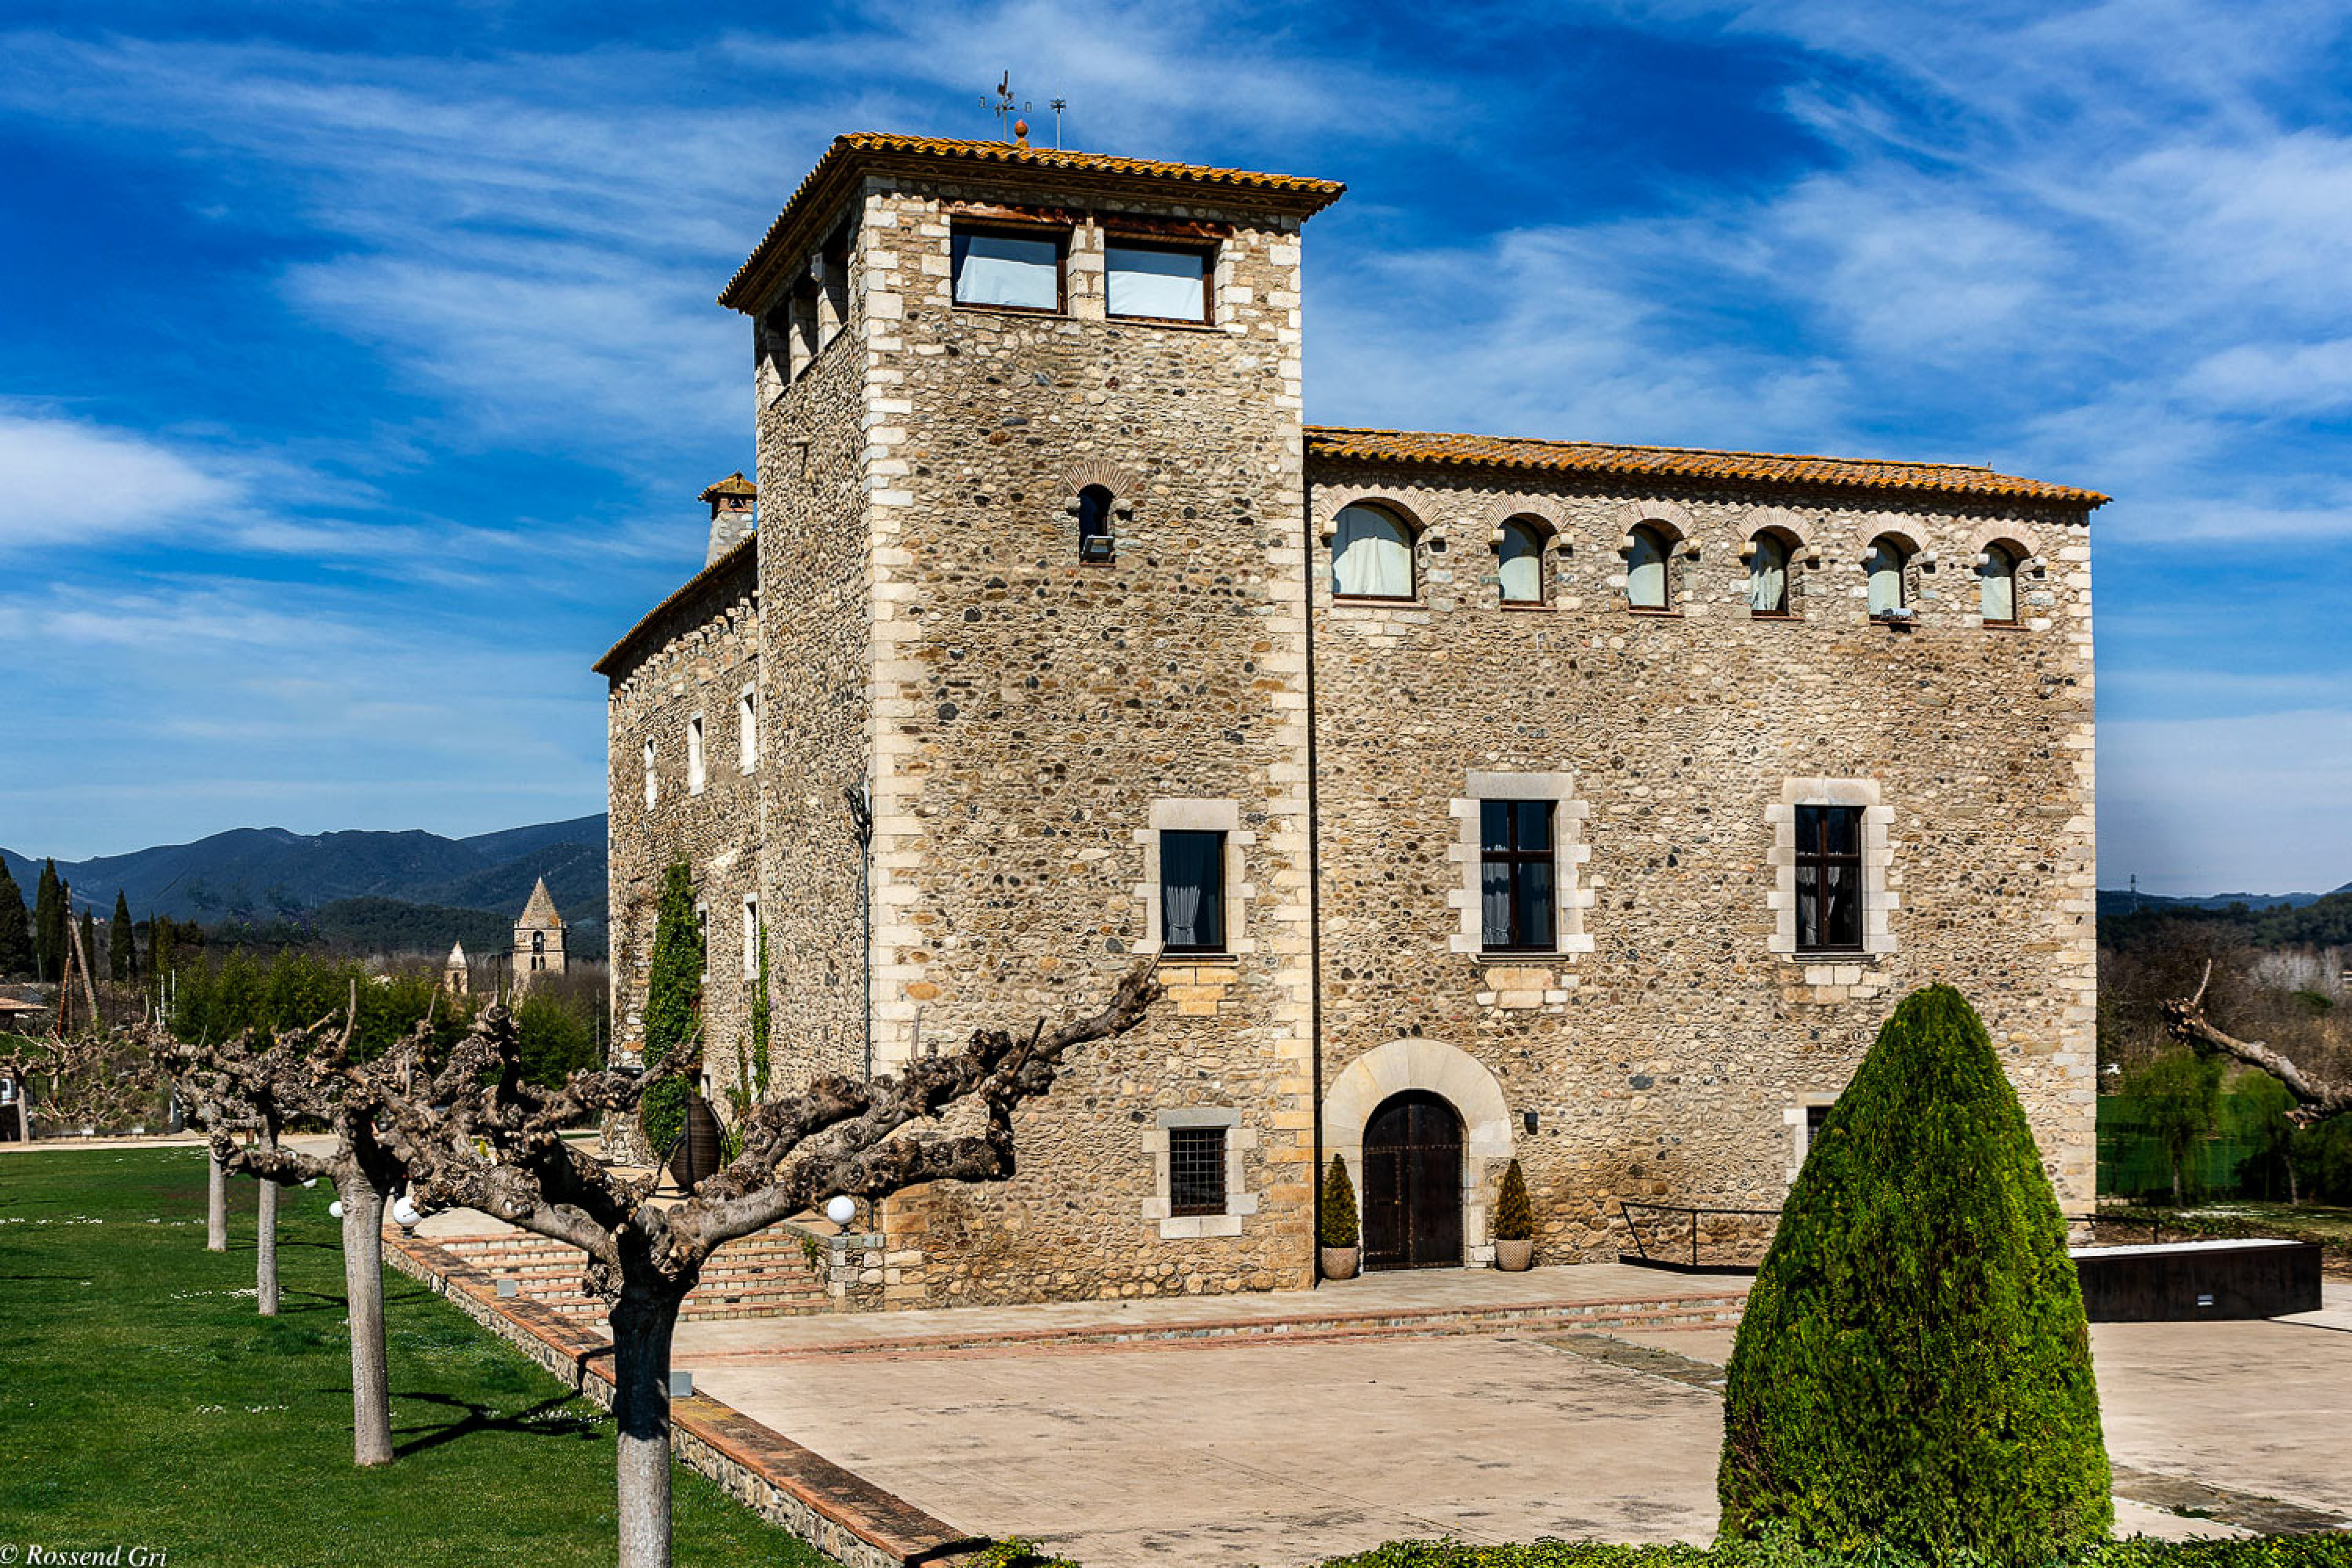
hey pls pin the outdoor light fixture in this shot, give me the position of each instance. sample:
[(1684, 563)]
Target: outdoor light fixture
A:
[(1527, 1119), (404, 1213), (311, 1183), (841, 1210), (335, 1209)]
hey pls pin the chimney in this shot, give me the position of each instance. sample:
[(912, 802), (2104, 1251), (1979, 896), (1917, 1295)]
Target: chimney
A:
[(731, 513)]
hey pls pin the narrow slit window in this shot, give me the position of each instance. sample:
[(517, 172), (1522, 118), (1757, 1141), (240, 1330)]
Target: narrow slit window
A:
[(1885, 564), (1521, 564), (747, 731), (1022, 271), (1192, 891), (1157, 282), (1096, 543), (653, 779), (1997, 586), (750, 936), (1196, 1170), (1646, 571), (694, 769), (1515, 866), (1829, 879), (1767, 577)]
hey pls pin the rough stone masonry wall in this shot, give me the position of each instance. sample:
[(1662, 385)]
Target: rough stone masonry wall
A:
[(817, 584), (1028, 711), (694, 659), (1672, 1059)]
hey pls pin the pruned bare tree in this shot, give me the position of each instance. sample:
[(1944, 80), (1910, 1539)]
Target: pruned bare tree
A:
[(103, 1081), (311, 1075), (496, 1146), (2316, 1098)]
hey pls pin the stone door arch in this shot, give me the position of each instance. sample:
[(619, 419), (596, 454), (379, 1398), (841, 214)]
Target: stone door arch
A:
[(1455, 1076)]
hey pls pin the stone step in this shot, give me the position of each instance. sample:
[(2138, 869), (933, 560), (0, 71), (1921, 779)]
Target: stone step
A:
[(765, 1276), (1674, 1313)]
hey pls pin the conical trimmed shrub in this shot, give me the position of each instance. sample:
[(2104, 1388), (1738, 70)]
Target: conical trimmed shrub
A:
[(1515, 1216), (1913, 1366), (1335, 1216)]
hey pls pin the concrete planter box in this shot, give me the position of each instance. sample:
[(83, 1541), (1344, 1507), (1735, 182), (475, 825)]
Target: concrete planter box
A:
[(1511, 1256)]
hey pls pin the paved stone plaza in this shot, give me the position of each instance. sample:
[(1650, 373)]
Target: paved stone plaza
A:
[(1258, 1450)]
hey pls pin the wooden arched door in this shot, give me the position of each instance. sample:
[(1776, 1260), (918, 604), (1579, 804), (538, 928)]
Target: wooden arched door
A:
[(1413, 1183)]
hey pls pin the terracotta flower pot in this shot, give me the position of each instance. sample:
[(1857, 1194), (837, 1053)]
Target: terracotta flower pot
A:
[(1338, 1262), (1511, 1256)]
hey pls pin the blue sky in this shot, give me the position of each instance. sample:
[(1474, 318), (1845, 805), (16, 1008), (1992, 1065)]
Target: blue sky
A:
[(359, 368)]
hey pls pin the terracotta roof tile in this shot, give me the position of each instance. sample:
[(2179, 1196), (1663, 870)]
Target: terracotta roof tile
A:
[(740, 556), (734, 484), (828, 182), (1527, 455)]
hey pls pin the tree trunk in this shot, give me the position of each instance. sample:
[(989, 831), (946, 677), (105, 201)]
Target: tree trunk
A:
[(2175, 1180), (363, 1291), (265, 1238), (641, 1340), (216, 1206)]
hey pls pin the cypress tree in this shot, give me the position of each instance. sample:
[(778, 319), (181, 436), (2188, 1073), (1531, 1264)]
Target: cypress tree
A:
[(673, 1002), (49, 924), (1913, 1366), (121, 948), (15, 927), (1335, 1215)]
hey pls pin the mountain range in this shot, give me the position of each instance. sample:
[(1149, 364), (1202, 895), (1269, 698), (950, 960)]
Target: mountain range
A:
[(262, 875)]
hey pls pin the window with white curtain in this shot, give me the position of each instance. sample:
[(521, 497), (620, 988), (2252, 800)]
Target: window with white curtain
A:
[(1521, 562), (1645, 569), (1768, 576), (1885, 565), (1514, 876), (1020, 270), (1191, 891), (1997, 585), (1169, 283), (653, 780), (747, 730), (1829, 879), (1371, 555)]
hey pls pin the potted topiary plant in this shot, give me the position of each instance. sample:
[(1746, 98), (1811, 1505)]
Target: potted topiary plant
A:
[(1514, 1223), (1335, 1223)]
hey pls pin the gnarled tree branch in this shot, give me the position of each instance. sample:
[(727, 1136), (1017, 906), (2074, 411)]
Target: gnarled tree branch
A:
[(2317, 1098)]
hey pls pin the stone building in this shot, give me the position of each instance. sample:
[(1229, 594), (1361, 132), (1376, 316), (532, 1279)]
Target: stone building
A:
[(538, 939), (457, 971), (1481, 798)]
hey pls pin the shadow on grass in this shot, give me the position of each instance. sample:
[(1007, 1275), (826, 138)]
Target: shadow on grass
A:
[(479, 1418)]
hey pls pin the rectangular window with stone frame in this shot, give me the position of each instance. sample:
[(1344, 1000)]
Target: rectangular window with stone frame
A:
[(1008, 268), (1196, 1170), (1516, 867), (1191, 891), (1829, 879)]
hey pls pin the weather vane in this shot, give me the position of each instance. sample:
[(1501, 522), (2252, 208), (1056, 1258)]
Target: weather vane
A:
[(1005, 103)]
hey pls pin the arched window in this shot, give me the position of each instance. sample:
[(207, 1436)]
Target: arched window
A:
[(1645, 569), (1095, 540), (1997, 585), (1521, 557), (1768, 575), (1885, 563), (539, 941), (1371, 555)]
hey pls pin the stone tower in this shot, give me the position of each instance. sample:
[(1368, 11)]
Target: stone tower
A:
[(538, 939), (456, 974)]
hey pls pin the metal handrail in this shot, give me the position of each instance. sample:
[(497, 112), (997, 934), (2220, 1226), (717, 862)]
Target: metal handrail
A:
[(1641, 1249)]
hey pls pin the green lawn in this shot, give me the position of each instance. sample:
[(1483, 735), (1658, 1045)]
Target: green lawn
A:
[(142, 1403)]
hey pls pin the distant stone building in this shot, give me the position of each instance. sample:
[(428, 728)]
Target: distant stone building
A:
[(1480, 798), (456, 974), (538, 939)]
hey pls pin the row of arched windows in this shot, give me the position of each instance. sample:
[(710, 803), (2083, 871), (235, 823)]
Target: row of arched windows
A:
[(1372, 558)]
